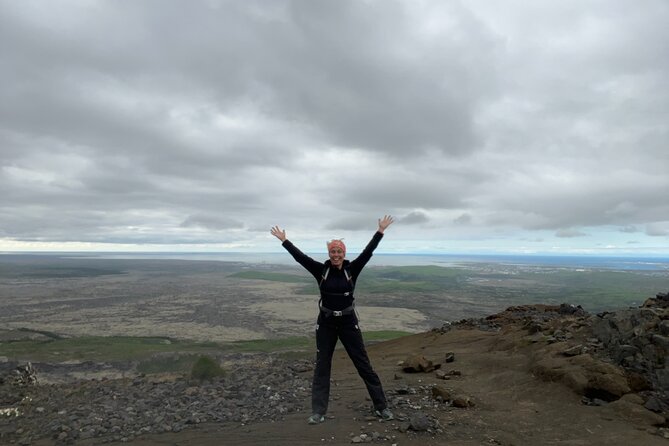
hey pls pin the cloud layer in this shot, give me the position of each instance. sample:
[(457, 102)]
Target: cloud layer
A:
[(200, 125)]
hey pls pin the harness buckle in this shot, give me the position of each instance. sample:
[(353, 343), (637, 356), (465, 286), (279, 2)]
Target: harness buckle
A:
[(337, 313)]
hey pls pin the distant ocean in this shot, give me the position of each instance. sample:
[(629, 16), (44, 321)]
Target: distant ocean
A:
[(282, 258)]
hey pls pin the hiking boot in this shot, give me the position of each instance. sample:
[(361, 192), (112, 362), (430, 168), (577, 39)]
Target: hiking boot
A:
[(385, 414), (316, 418)]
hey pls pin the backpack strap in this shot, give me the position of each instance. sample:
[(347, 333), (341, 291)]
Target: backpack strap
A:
[(348, 277), (326, 271), (324, 276)]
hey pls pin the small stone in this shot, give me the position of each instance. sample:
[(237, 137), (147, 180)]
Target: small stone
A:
[(536, 337), (653, 404), (418, 364), (441, 392), (419, 422), (593, 401), (402, 390), (574, 351), (462, 401), (664, 327)]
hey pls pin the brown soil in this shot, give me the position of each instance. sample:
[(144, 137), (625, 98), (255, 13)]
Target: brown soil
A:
[(513, 407)]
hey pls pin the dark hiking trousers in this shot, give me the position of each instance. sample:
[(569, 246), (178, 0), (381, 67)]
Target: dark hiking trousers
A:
[(328, 331)]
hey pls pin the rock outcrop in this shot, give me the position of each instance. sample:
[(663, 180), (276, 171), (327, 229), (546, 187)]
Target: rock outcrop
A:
[(637, 339), (620, 357)]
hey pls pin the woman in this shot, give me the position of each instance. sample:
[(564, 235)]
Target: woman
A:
[(337, 319)]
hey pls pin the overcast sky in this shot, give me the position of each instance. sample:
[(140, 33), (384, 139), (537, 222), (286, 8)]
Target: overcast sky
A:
[(482, 126)]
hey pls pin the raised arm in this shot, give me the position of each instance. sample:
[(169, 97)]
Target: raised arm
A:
[(366, 254), (311, 265)]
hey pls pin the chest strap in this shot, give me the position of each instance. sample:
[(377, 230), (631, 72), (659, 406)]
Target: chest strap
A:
[(346, 311), (346, 294)]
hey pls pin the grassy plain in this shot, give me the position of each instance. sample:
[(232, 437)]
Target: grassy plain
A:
[(594, 289), (158, 355), (118, 348), (56, 307)]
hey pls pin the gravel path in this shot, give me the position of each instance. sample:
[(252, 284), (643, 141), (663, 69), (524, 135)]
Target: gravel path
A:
[(119, 410)]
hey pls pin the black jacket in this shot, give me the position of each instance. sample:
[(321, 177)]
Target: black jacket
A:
[(336, 284)]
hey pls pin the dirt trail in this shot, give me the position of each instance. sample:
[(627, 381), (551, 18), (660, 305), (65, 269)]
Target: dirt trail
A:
[(512, 406)]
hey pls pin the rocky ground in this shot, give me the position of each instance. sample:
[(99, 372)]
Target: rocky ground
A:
[(528, 375)]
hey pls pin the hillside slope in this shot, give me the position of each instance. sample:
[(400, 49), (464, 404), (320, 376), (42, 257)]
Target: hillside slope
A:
[(531, 375)]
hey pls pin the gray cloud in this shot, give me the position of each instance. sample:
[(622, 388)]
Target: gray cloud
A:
[(657, 229), (569, 233), (463, 219), (205, 122), (352, 223), (214, 222), (414, 218)]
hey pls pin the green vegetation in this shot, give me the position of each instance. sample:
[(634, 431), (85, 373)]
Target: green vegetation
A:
[(376, 280), (274, 277), (52, 267), (437, 292), (270, 345), (206, 368), (175, 363), (302, 343), (99, 348), (407, 279), (56, 272), (402, 279), (47, 334), (156, 355), (595, 290), (73, 272)]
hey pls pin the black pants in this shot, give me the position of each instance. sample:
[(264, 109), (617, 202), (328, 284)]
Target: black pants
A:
[(328, 331)]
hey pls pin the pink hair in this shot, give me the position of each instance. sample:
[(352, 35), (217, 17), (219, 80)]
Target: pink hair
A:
[(336, 244)]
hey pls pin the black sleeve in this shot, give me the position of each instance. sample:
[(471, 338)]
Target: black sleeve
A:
[(359, 263), (311, 265)]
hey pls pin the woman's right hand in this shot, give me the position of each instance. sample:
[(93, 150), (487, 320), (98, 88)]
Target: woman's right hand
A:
[(278, 233), (385, 222)]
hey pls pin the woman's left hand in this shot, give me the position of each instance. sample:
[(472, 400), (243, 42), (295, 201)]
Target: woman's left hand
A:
[(384, 222), (279, 233)]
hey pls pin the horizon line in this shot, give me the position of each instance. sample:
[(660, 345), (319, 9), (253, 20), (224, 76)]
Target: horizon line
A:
[(449, 254)]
